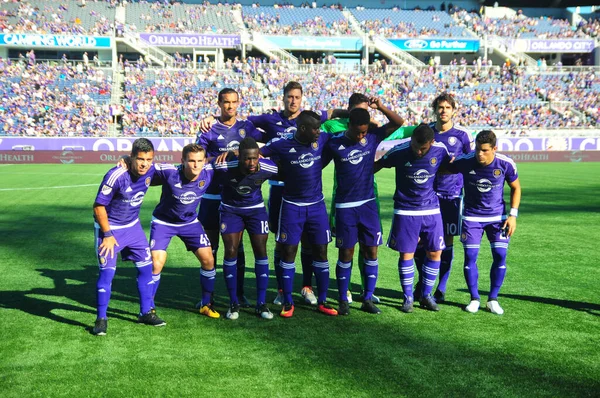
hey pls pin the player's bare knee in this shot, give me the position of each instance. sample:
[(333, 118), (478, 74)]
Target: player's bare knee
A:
[(434, 256), (320, 252)]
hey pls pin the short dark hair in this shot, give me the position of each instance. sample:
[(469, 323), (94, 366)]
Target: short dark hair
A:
[(292, 86), (423, 134), (309, 118), (449, 98), (359, 117), (357, 98), (486, 137), (247, 143), (192, 148), (141, 145), (225, 91)]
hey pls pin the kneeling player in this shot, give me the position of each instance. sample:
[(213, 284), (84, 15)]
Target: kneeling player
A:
[(484, 173), (242, 207)]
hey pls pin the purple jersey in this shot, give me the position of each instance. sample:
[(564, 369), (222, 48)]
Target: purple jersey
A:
[(415, 176), (243, 190), (222, 138), (354, 162), (484, 185), (122, 194), (276, 125), (301, 167), (458, 142), (180, 197)]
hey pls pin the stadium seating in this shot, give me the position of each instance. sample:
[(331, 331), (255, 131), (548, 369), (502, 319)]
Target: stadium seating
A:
[(296, 21)]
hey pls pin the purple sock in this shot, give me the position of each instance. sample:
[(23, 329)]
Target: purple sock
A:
[(406, 269), (471, 271), (230, 275), (261, 271), (371, 273), (430, 272), (156, 281), (145, 285), (103, 289), (241, 269), (276, 261), (498, 270), (288, 270), (445, 267), (321, 269), (343, 272), (207, 281), (307, 265)]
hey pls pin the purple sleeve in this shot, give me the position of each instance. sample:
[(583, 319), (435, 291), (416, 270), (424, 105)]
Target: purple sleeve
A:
[(380, 133), (110, 185), (466, 143), (253, 132), (258, 120), (267, 150), (511, 172), (204, 140), (389, 159), (323, 113)]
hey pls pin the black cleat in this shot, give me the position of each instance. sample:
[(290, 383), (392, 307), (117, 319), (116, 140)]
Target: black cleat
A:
[(369, 307), (100, 327), (150, 318), (407, 306), (428, 303), (264, 312), (439, 296), (344, 308)]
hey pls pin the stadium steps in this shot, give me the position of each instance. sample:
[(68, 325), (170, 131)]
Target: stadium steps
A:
[(270, 49), (147, 50), (353, 23), (397, 55), (500, 45)]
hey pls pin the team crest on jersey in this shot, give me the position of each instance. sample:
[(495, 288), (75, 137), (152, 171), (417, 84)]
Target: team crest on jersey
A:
[(363, 142), (148, 179), (315, 145), (452, 141), (223, 227), (152, 243), (433, 161), (463, 237), (102, 260), (319, 113), (258, 182), (201, 183), (242, 133), (392, 243), (283, 237), (497, 173), (339, 242), (106, 190)]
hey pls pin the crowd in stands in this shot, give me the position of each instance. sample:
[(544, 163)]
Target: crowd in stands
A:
[(386, 28), (270, 25)]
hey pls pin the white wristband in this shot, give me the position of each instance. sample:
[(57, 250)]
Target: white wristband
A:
[(514, 212)]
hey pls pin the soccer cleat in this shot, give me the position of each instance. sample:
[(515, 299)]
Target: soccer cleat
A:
[(150, 318), (279, 299), (287, 311), (494, 307), (233, 312), (100, 327), (209, 311), (428, 303), (244, 303), (327, 309), (407, 305), (344, 308), (309, 295), (369, 307), (439, 296), (473, 306), (263, 312), (374, 298), (349, 296)]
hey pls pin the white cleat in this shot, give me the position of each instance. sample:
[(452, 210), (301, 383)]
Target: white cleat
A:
[(473, 306), (309, 295), (349, 296), (494, 307), (233, 312), (279, 299)]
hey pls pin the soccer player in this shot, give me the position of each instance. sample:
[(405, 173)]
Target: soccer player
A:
[(118, 229), (223, 136), (416, 211), (448, 187), (176, 215), (357, 216), (299, 157), (242, 207), (485, 173)]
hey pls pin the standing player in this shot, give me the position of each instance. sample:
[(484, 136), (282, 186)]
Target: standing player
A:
[(357, 216), (299, 157), (448, 187), (118, 229), (416, 211), (225, 135), (242, 207), (484, 174), (176, 215)]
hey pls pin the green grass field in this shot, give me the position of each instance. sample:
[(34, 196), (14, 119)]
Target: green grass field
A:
[(546, 344)]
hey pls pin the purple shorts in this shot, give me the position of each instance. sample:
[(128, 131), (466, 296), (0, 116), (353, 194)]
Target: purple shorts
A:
[(358, 224), (192, 235), (406, 231), (275, 195), (133, 245), (209, 214), (312, 219), (234, 220), (451, 211), (472, 232)]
